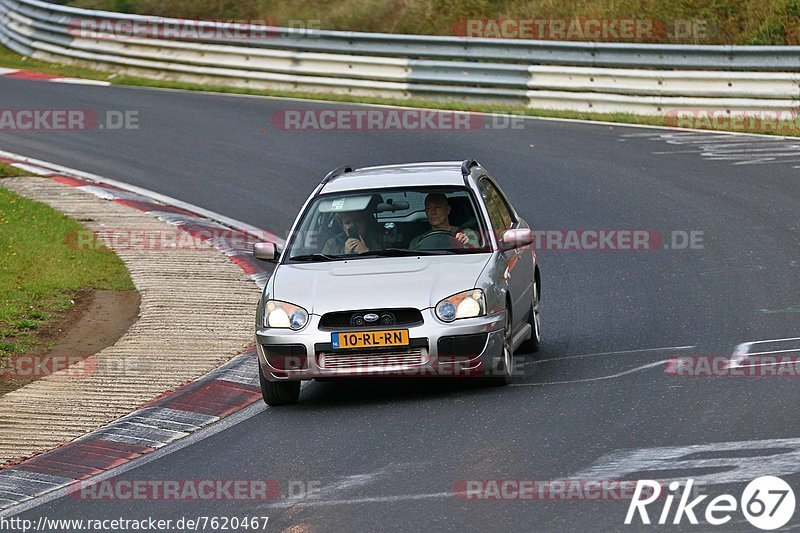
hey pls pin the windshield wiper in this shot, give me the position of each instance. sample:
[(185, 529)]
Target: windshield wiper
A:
[(482, 250), (313, 257), (403, 252)]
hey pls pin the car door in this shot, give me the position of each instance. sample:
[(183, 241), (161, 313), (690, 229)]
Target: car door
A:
[(517, 263)]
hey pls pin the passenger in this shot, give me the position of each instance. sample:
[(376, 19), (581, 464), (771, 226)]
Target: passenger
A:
[(360, 234)]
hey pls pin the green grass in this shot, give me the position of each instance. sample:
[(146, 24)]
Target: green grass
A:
[(726, 21), (10, 59), (7, 171), (40, 272)]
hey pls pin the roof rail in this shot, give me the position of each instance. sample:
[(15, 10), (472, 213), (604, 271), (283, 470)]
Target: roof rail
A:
[(466, 166), (336, 173)]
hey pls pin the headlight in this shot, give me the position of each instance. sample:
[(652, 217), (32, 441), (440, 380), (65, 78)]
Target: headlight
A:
[(284, 315), (467, 304)]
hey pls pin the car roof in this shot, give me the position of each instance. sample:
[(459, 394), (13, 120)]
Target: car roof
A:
[(409, 174)]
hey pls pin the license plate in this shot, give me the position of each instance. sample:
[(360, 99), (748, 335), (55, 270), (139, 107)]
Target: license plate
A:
[(368, 339)]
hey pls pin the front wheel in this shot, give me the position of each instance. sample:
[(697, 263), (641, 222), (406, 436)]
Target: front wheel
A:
[(503, 375), (279, 392), (534, 343)]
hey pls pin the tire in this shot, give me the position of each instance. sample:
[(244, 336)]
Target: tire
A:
[(279, 392), (534, 343), (508, 358)]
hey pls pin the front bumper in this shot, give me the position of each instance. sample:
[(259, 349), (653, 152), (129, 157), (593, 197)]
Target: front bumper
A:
[(420, 359)]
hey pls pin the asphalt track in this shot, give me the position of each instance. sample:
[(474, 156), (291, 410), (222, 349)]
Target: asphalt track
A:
[(388, 455)]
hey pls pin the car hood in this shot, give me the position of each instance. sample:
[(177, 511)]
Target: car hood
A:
[(418, 282)]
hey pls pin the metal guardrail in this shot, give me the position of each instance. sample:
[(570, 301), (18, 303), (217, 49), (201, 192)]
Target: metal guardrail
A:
[(603, 77)]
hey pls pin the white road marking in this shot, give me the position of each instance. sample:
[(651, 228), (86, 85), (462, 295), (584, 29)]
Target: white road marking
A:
[(790, 339), (758, 365), (778, 457), (33, 169), (774, 351), (739, 151), (742, 351), (346, 483), (643, 350), (751, 268), (601, 378), (81, 81), (369, 499)]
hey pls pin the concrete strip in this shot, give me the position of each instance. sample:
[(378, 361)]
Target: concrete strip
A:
[(130, 438), (13, 497), (197, 310), (7, 475), (155, 414), (25, 487), (148, 423), (81, 81), (8, 503)]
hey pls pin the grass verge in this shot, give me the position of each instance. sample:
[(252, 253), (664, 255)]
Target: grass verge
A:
[(7, 171), (40, 272), (772, 22), (9, 59)]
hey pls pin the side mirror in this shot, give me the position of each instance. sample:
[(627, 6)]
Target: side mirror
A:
[(265, 251), (516, 238)]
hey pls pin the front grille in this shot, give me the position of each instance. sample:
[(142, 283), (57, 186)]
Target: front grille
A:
[(355, 319), (372, 359)]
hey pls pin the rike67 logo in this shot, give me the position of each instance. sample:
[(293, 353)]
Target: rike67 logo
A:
[(767, 502)]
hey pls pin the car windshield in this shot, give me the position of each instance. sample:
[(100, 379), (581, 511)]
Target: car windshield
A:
[(389, 223)]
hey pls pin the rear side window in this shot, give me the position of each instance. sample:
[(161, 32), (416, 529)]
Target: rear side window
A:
[(499, 213)]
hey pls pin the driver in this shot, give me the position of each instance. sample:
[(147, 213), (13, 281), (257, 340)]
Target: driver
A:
[(437, 208), (358, 235)]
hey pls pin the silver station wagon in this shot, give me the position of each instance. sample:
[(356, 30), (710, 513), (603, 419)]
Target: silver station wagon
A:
[(418, 270)]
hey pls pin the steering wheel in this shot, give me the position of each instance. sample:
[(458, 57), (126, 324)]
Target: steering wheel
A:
[(438, 240)]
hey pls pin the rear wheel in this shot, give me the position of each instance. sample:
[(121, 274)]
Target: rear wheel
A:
[(279, 392)]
